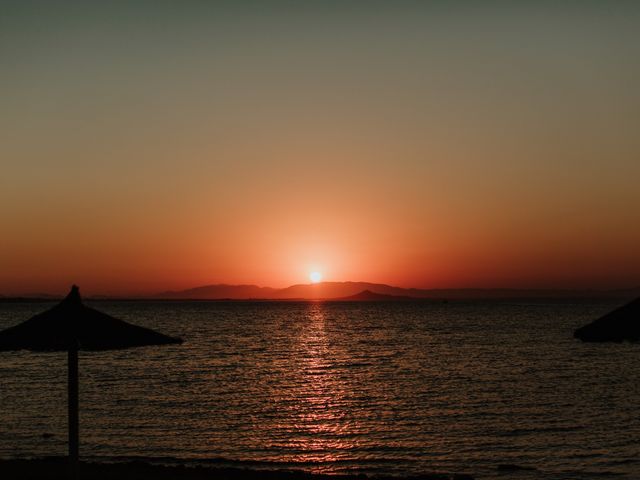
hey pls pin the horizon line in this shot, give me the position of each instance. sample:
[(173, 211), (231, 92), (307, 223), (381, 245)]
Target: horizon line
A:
[(160, 293)]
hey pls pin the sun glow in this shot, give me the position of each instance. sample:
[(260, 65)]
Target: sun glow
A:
[(315, 277)]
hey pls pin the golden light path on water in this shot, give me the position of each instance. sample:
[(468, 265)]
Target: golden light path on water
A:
[(323, 415)]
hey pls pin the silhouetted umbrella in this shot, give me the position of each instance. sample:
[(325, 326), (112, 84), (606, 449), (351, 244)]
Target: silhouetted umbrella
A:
[(617, 326), (71, 326)]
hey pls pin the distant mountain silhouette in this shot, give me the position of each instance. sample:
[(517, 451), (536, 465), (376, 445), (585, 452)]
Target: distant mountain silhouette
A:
[(314, 291), (620, 325), (339, 290), (369, 296)]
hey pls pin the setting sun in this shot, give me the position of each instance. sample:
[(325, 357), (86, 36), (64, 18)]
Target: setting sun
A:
[(315, 277)]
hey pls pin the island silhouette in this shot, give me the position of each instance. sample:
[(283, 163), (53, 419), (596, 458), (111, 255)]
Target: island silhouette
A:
[(367, 291), (350, 291)]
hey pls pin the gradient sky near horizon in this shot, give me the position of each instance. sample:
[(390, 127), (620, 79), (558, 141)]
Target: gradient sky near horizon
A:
[(162, 145)]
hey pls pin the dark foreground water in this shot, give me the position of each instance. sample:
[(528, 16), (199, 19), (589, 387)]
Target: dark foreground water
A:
[(327, 387)]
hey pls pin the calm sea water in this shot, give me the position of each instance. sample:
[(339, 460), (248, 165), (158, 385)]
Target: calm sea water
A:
[(369, 387)]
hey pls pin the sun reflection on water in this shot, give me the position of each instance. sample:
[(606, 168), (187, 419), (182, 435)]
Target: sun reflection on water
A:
[(322, 419)]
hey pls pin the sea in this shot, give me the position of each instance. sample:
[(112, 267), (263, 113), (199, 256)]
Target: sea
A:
[(493, 389)]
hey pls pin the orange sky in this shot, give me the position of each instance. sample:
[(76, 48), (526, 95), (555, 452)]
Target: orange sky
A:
[(425, 146)]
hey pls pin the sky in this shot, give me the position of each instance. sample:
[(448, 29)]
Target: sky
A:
[(147, 146)]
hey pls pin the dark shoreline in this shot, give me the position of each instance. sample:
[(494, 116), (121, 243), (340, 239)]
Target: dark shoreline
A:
[(56, 468)]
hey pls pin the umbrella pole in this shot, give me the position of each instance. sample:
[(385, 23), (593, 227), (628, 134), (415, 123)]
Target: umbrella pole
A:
[(74, 433)]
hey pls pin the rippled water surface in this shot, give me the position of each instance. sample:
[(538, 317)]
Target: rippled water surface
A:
[(397, 388)]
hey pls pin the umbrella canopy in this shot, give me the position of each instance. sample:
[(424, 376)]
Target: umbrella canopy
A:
[(620, 325), (72, 325)]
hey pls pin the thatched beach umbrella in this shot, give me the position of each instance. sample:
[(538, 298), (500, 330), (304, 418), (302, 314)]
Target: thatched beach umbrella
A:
[(71, 326)]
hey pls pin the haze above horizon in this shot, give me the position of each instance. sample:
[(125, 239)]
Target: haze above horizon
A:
[(160, 146)]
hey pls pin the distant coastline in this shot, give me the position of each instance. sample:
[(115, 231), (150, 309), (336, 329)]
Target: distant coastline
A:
[(349, 292)]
